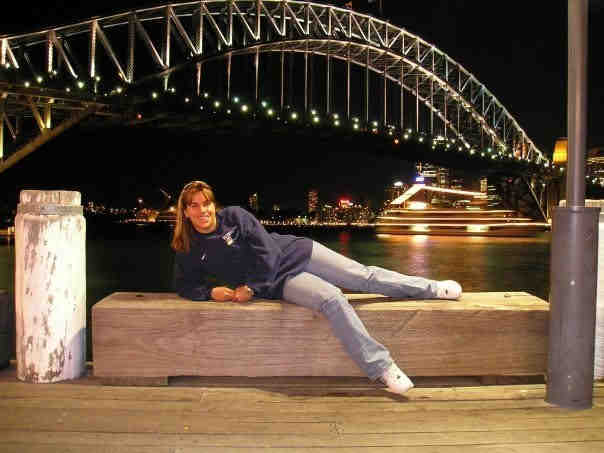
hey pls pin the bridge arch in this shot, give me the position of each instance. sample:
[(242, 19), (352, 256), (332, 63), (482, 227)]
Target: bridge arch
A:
[(207, 30)]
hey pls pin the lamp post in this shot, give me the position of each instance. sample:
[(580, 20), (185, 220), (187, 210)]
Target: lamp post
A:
[(574, 252)]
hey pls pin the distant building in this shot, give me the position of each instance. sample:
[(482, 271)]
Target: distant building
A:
[(313, 200), (484, 184), (253, 202), (433, 175), (595, 165)]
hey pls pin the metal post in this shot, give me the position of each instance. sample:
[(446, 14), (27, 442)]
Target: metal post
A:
[(402, 93), (367, 88), (257, 69), (574, 260), (327, 89), (417, 103), (131, 46), (385, 106), (282, 76), (229, 58), (348, 84), (306, 79)]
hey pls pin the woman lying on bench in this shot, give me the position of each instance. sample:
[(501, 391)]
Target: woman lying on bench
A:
[(232, 244)]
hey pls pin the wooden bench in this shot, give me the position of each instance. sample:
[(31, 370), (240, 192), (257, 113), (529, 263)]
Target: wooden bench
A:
[(156, 335)]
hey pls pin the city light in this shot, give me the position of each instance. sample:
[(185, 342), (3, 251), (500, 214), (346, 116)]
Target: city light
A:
[(294, 116), (244, 108), (80, 84), (26, 84), (216, 104), (154, 95), (315, 119), (236, 99), (264, 104), (270, 112), (39, 79)]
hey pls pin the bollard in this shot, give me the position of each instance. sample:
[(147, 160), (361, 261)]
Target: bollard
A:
[(50, 286)]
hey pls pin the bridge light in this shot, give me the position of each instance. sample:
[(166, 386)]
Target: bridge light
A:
[(481, 154), (139, 116), (336, 122), (7, 65), (264, 104), (406, 136), (206, 94), (355, 119), (187, 100), (396, 141), (421, 139), (26, 84), (336, 116), (235, 99), (294, 116), (80, 84), (315, 119), (216, 104), (154, 95), (54, 72), (270, 112), (459, 148), (244, 108), (228, 111), (39, 79), (68, 89), (172, 90), (313, 112), (374, 123), (472, 151), (355, 126), (119, 90)]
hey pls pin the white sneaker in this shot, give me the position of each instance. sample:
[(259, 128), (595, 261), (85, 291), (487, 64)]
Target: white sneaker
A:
[(396, 380), (448, 289)]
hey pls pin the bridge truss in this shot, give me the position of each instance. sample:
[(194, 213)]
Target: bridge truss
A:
[(91, 67)]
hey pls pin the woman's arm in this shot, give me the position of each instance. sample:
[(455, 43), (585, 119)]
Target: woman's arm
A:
[(266, 251), (189, 281)]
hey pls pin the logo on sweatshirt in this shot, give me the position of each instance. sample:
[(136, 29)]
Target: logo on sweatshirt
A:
[(228, 237)]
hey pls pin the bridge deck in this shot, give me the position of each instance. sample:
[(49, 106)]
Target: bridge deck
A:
[(289, 414)]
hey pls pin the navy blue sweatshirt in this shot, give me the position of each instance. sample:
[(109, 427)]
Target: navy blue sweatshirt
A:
[(240, 252)]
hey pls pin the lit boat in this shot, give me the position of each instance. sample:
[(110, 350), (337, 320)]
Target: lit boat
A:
[(435, 210)]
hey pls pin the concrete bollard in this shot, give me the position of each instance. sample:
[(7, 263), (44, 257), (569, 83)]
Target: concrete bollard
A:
[(50, 286)]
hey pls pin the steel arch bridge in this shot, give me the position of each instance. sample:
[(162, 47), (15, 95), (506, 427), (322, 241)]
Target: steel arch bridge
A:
[(63, 74)]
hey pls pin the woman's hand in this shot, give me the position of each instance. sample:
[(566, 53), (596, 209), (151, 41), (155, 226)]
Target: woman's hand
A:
[(222, 294), (243, 294)]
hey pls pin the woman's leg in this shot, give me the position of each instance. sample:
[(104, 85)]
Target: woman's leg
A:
[(347, 273), (312, 292)]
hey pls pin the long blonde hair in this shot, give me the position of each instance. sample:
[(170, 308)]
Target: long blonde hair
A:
[(181, 241)]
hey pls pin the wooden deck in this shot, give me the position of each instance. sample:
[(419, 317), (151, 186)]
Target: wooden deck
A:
[(291, 415)]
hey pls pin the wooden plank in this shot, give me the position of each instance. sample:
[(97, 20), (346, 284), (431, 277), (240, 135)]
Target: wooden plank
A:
[(273, 441), (296, 392), (147, 335)]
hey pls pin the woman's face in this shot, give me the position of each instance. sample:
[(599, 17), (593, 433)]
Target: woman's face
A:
[(202, 213)]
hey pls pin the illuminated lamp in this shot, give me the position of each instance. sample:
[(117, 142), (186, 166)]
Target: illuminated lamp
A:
[(561, 151), (26, 84), (396, 141), (39, 79)]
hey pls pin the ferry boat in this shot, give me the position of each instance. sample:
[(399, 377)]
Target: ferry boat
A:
[(434, 210)]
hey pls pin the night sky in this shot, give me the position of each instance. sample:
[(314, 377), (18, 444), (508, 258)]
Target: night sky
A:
[(516, 48)]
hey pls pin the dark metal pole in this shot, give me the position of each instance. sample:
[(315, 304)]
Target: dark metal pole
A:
[(574, 256)]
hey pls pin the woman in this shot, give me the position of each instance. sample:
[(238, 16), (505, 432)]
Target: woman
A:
[(232, 245)]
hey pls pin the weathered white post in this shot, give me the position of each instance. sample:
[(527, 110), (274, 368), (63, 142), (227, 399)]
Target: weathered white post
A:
[(50, 286)]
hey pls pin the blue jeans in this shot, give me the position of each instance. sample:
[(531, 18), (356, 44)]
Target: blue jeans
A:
[(316, 289)]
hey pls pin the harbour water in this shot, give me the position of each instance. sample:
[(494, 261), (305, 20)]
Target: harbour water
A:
[(129, 258)]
